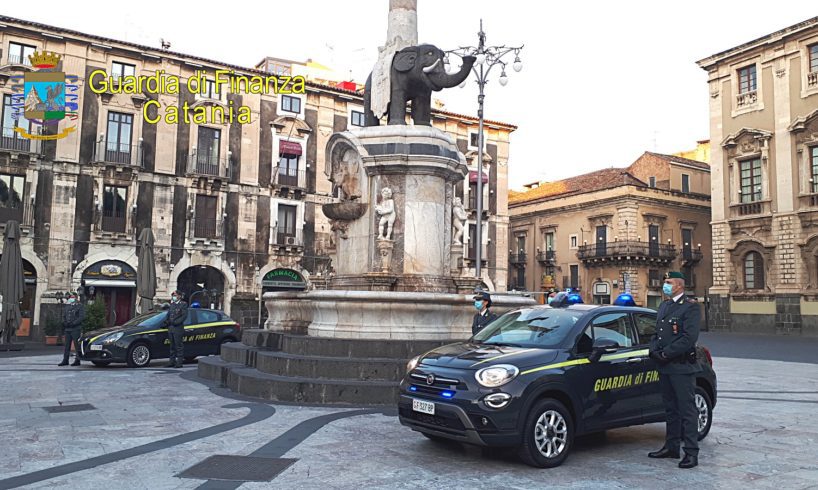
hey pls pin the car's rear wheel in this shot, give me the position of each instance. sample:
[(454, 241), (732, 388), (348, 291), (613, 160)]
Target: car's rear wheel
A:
[(100, 363), (547, 435), (139, 355), (704, 411)]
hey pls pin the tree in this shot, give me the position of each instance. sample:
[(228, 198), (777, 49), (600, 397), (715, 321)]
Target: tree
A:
[(94, 316)]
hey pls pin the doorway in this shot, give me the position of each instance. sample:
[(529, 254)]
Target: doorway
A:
[(119, 303)]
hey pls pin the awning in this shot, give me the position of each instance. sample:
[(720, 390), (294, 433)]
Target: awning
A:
[(473, 177), (111, 283), (289, 148)]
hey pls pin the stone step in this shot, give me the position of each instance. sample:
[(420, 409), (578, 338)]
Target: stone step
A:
[(238, 352), (252, 382), (347, 368), (215, 369), (331, 347)]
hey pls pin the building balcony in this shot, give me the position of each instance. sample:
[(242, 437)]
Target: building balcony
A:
[(114, 224), (547, 257), (209, 165), (19, 212), (114, 154), (206, 229), (517, 259), (16, 59), (287, 238), (746, 99), (689, 256), (622, 252), (286, 178), (750, 209), (11, 140)]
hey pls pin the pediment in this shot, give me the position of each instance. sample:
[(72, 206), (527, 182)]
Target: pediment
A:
[(286, 124)]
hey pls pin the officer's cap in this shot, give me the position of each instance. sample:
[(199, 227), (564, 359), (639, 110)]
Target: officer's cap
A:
[(482, 295), (674, 275), (72, 294)]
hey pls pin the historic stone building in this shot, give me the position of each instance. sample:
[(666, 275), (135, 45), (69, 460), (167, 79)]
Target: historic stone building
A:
[(234, 208), (614, 230), (764, 134)]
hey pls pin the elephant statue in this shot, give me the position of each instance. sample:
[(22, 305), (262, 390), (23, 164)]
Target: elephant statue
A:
[(415, 73)]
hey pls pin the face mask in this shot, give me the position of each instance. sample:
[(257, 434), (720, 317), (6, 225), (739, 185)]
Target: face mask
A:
[(478, 304), (667, 289), (71, 301), (174, 298)]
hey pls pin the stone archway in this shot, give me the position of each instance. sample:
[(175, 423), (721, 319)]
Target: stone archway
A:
[(809, 254), (214, 262), (197, 284)]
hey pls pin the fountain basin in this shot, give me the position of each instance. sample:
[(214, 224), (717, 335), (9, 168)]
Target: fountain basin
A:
[(344, 211)]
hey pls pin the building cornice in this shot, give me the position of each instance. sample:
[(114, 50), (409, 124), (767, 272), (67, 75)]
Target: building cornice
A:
[(708, 63)]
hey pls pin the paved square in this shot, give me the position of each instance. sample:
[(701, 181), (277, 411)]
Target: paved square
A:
[(150, 425)]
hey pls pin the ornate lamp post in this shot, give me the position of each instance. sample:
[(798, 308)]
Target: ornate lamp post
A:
[(487, 58)]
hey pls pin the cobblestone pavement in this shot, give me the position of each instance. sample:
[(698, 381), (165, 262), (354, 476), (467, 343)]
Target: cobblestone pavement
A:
[(146, 426)]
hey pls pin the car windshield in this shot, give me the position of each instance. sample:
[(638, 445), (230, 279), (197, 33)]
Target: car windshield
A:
[(534, 327), (152, 319)]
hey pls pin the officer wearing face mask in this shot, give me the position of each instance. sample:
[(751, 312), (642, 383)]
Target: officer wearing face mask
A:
[(673, 346), (177, 313), (73, 315), (482, 302)]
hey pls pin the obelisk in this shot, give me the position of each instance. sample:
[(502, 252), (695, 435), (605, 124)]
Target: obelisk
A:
[(401, 32)]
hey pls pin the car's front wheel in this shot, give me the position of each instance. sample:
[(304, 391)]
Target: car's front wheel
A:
[(139, 355), (547, 435), (704, 411)]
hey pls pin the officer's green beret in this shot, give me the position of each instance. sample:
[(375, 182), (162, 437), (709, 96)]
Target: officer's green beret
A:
[(674, 275)]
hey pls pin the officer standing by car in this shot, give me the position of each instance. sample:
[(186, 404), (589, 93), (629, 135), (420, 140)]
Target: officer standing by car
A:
[(73, 314), (673, 346), (482, 301), (177, 313)]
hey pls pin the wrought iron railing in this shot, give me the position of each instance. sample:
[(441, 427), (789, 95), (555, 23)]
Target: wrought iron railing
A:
[(517, 259), (546, 256), (210, 228), (210, 164), (286, 177), (118, 154), (625, 249), (284, 236)]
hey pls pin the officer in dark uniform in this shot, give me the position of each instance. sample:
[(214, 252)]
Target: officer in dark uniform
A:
[(177, 313), (673, 346), (73, 314), (482, 301)]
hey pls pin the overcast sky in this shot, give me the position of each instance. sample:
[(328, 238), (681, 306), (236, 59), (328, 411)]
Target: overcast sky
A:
[(602, 81)]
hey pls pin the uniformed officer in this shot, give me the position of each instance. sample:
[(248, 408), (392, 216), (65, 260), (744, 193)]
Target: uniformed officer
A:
[(673, 346), (177, 313), (482, 301), (73, 314)]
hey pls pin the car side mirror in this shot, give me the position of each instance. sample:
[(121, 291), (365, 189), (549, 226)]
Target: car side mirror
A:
[(602, 346)]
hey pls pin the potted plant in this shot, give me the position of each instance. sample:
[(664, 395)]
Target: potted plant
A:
[(95, 313), (52, 331)]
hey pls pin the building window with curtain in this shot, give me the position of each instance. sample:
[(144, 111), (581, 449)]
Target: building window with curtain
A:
[(114, 208), (207, 151), (118, 144), (753, 271), (750, 180), (286, 226), (10, 139), (814, 168)]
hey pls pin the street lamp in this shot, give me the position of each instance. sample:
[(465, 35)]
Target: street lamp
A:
[(487, 58)]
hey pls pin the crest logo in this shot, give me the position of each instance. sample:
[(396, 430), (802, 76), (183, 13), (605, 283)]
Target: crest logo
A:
[(44, 98)]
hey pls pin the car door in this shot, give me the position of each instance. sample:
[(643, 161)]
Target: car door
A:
[(645, 324), (205, 336), (608, 386), (191, 346)]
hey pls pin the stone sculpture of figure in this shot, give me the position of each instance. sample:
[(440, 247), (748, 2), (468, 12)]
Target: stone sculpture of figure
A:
[(345, 176), (459, 217), (386, 210)]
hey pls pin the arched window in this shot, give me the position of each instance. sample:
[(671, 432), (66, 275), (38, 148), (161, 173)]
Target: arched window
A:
[(753, 271)]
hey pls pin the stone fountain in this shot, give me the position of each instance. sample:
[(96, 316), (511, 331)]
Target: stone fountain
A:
[(398, 289)]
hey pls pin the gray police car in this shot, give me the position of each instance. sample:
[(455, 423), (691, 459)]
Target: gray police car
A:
[(537, 377)]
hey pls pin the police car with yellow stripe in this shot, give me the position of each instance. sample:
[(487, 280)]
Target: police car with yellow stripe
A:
[(537, 377), (145, 337)]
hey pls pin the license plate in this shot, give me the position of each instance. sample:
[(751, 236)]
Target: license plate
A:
[(96, 347), (423, 406)]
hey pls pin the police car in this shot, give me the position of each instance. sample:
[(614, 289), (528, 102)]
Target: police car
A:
[(145, 337), (537, 377)]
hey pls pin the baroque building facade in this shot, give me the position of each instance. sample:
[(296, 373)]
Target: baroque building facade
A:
[(235, 208), (764, 134), (614, 231)]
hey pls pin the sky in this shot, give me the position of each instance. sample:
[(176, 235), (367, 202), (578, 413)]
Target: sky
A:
[(601, 83)]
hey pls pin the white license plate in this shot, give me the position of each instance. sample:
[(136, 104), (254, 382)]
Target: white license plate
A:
[(423, 406), (96, 347)]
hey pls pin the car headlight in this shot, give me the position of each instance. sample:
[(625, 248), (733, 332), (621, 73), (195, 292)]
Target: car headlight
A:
[(113, 338), (494, 376), (412, 364)]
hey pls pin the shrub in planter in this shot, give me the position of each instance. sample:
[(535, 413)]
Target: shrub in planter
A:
[(94, 316), (52, 330)]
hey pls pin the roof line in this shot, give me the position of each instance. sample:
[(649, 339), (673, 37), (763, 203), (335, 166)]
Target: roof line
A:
[(160, 52), (704, 63)]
